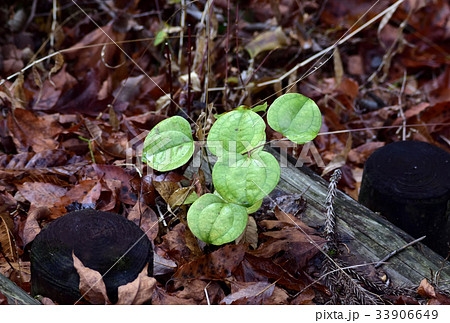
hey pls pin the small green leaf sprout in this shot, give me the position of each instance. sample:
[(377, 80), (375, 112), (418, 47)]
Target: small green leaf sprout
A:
[(244, 174)]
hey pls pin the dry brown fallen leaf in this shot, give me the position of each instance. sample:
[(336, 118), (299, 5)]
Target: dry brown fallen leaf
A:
[(174, 244), (47, 301), (427, 290), (111, 172), (250, 234), (304, 298), (6, 238), (162, 266), (146, 218), (249, 294), (166, 189), (292, 246), (41, 194), (339, 159), (85, 192), (138, 291), (92, 287), (219, 264), (32, 228), (198, 290), (162, 297), (28, 130)]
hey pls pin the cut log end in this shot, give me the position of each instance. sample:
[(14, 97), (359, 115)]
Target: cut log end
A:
[(408, 182), (103, 241)]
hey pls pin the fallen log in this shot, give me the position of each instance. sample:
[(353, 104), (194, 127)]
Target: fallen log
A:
[(368, 236), (15, 294)]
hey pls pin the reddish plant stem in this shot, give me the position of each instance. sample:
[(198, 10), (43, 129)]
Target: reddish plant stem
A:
[(189, 71), (237, 45), (169, 79), (227, 49)]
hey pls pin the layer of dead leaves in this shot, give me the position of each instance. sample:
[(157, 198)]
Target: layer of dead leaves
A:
[(69, 123)]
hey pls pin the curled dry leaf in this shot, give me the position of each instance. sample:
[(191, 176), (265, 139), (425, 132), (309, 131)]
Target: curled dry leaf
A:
[(144, 217), (138, 291), (278, 297), (166, 189), (296, 248), (32, 228), (92, 286), (425, 289), (219, 264), (402, 300), (253, 269), (143, 188), (286, 220), (293, 246), (83, 97), (91, 58), (20, 271), (6, 239), (338, 66), (250, 234), (52, 89), (184, 195), (192, 243), (85, 192), (440, 299), (249, 294), (360, 154), (340, 159), (7, 205), (42, 194), (48, 158), (59, 62), (109, 195), (28, 130), (113, 120), (265, 41), (7, 201), (174, 244), (304, 298), (162, 266), (197, 290), (162, 297)]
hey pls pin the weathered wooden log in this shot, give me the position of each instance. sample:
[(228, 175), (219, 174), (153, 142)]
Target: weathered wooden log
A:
[(103, 241), (368, 236), (408, 182), (14, 294)]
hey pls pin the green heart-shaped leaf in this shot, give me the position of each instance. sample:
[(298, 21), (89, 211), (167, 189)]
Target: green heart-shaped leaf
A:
[(169, 144), (296, 117), (261, 107), (215, 221), (237, 131), (246, 179), (255, 207), (251, 209)]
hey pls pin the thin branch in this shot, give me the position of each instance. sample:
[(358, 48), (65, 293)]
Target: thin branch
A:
[(393, 253)]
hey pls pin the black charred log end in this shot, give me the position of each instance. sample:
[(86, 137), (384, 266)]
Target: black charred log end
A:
[(103, 241), (408, 182)]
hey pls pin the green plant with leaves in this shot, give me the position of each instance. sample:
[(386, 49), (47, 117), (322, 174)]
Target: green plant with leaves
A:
[(243, 174)]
